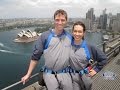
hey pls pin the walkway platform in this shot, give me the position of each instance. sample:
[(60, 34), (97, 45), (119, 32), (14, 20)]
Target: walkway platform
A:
[(109, 77)]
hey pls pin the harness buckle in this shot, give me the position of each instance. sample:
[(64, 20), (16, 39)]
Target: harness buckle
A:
[(91, 61)]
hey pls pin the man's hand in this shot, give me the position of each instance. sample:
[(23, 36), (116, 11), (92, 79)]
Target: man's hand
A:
[(25, 79)]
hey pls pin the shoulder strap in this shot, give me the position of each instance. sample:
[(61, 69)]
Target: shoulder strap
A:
[(92, 60), (85, 46), (91, 51), (47, 41)]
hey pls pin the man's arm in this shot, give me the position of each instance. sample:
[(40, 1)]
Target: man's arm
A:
[(38, 51), (32, 65)]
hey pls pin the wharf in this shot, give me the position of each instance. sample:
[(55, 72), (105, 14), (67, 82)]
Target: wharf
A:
[(111, 44)]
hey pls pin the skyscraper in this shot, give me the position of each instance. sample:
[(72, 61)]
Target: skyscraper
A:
[(91, 17)]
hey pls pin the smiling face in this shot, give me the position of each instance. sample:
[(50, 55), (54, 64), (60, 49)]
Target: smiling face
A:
[(78, 31), (60, 22)]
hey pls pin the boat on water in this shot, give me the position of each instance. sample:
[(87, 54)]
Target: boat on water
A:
[(26, 36)]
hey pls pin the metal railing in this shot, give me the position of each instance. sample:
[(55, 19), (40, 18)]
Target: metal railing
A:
[(19, 82)]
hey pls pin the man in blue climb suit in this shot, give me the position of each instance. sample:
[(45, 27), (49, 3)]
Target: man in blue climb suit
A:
[(55, 46), (81, 56)]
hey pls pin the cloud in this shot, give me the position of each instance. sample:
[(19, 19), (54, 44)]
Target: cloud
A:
[(115, 1), (46, 8)]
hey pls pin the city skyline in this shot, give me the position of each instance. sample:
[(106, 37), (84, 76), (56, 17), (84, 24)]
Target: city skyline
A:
[(46, 8)]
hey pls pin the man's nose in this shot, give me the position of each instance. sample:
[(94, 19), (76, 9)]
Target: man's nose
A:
[(59, 22)]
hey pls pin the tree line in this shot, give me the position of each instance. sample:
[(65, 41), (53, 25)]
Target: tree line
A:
[(39, 27)]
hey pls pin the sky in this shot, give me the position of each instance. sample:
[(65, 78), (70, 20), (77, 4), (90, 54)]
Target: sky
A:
[(46, 8)]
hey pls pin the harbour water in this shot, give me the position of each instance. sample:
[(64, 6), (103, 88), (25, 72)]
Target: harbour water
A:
[(14, 57)]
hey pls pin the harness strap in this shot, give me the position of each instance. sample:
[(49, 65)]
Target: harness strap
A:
[(46, 70), (65, 70), (84, 45), (81, 72)]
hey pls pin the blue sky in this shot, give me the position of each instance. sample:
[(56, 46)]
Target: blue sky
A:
[(46, 8)]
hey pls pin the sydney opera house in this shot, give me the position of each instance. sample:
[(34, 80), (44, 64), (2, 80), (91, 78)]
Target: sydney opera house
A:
[(26, 36)]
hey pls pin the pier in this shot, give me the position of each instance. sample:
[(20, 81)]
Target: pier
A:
[(107, 79)]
